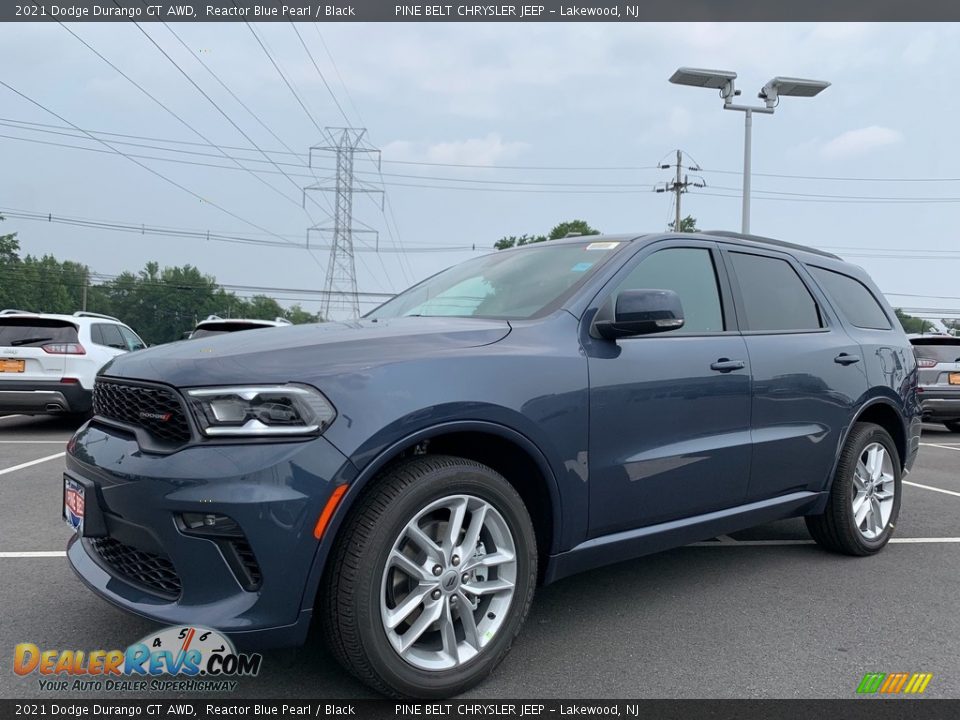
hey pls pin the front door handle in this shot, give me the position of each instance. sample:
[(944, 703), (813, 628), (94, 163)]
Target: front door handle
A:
[(726, 365), (846, 359)]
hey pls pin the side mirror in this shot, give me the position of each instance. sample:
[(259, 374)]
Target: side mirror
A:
[(641, 312)]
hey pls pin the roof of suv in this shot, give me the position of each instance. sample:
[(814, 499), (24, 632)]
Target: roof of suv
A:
[(714, 234), (78, 318), (245, 321)]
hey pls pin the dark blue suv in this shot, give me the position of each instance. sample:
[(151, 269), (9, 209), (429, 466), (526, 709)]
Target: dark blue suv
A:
[(411, 477)]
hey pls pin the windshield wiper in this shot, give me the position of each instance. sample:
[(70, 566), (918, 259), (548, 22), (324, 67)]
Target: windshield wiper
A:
[(25, 341)]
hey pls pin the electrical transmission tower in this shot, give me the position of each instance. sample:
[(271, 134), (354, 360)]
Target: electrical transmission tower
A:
[(340, 285), (680, 185)]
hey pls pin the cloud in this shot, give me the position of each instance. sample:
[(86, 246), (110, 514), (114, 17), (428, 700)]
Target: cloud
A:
[(860, 142), (483, 151)]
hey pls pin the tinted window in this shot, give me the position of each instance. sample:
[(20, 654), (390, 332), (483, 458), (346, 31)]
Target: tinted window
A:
[(34, 332), (941, 349), (689, 272), (774, 296), (855, 301), (131, 338), (110, 336)]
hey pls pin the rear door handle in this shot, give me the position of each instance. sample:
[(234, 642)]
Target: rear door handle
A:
[(846, 359), (726, 365)]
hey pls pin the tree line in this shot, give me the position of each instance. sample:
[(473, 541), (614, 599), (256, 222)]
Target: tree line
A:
[(161, 304)]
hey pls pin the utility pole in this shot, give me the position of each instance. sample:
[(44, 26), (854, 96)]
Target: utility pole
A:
[(680, 185), (340, 284)]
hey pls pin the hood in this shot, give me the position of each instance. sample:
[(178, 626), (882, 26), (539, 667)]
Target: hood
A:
[(302, 352)]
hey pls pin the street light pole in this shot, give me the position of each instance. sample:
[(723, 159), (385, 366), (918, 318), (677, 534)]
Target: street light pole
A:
[(724, 81), (747, 149)]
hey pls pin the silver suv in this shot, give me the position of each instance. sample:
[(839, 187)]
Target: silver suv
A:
[(938, 362)]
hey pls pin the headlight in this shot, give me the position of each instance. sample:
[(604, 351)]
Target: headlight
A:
[(261, 411)]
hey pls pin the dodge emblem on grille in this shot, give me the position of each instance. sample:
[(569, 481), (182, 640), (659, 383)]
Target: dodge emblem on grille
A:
[(162, 417)]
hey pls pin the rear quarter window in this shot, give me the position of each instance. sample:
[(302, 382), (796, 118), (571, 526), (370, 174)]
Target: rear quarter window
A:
[(853, 299)]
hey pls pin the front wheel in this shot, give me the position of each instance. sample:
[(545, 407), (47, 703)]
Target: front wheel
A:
[(431, 579), (864, 501)]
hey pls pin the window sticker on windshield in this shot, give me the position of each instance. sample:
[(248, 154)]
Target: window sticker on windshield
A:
[(602, 245), (581, 267)]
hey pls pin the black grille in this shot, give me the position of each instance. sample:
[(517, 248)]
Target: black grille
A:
[(153, 572), (155, 409)]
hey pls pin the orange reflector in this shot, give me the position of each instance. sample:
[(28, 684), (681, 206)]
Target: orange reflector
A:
[(328, 511)]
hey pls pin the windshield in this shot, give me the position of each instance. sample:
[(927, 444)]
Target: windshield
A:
[(513, 284)]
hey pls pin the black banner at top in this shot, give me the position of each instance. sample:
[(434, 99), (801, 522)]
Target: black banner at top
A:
[(612, 11)]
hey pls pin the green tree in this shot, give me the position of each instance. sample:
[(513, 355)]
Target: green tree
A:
[(561, 230), (913, 324), (687, 224)]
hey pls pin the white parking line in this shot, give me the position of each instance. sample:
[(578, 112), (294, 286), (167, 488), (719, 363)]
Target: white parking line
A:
[(34, 554), (8, 417), (32, 462), (930, 487), (938, 445)]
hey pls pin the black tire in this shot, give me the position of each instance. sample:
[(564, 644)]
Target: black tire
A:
[(835, 529), (953, 426), (351, 596)]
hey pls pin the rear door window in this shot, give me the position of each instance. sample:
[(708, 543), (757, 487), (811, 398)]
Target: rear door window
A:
[(110, 336), (774, 297), (35, 332), (853, 299)]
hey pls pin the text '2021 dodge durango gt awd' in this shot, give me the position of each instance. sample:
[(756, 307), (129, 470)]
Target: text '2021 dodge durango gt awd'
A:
[(410, 477)]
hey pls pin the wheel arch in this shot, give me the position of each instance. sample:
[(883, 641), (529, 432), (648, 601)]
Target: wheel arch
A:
[(505, 450)]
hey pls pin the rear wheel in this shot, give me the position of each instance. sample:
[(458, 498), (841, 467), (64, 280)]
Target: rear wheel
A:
[(432, 578), (864, 501), (953, 426)]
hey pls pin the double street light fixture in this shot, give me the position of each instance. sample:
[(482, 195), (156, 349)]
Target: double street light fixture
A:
[(724, 81)]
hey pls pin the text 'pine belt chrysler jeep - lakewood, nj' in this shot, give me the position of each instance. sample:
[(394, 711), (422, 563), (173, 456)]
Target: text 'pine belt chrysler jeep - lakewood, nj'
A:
[(409, 478)]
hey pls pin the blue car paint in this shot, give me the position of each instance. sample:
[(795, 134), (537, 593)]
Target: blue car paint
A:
[(642, 447)]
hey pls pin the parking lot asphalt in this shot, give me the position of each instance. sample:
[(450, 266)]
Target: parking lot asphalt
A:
[(761, 614)]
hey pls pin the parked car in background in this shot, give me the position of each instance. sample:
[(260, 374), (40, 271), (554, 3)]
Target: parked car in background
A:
[(938, 359), (215, 325), (408, 479), (48, 362)]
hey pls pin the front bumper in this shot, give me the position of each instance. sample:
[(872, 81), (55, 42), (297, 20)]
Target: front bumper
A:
[(940, 404), (40, 397), (144, 561)]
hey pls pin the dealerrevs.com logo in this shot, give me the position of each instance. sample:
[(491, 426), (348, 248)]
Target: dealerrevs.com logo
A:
[(201, 660)]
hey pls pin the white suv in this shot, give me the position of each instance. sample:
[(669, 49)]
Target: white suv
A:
[(48, 362), (215, 325)]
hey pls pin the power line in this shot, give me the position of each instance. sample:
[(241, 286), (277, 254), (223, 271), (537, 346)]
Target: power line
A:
[(679, 186), (140, 164), (282, 76), (199, 234), (162, 104)]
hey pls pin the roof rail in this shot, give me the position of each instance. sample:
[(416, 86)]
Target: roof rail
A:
[(771, 241), (84, 313), (282, 321), (14, 311)]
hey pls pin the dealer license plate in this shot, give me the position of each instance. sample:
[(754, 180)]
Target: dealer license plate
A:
[(73, 504)]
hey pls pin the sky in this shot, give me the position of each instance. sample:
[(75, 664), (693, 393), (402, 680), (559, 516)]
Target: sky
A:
[(521, 125)]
